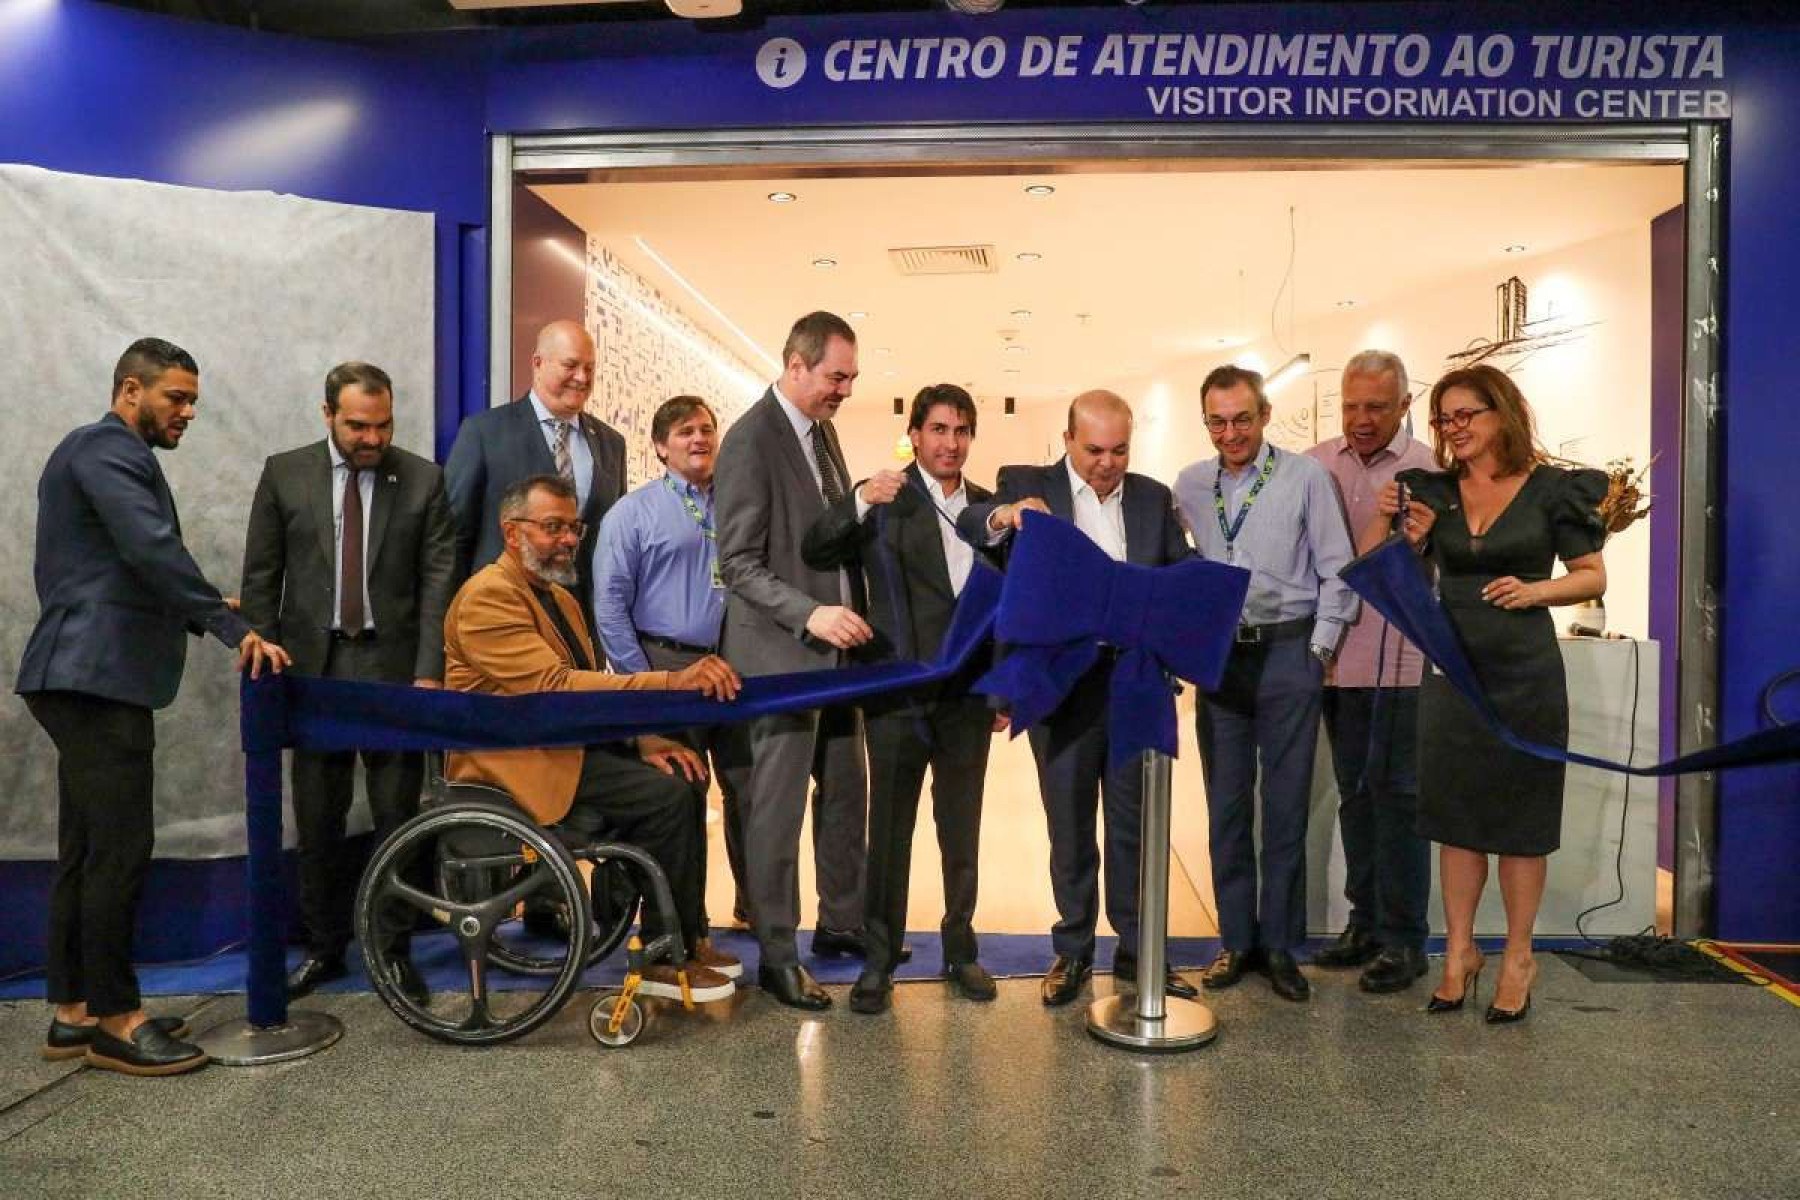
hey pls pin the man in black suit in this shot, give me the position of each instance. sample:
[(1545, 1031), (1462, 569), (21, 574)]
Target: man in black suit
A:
[(915, 564), (780, 466), (1132, 518), (545, 432), (117, 593), (349, 563)]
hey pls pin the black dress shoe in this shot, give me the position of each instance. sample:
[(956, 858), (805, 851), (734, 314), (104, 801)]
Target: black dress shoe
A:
[(872, 992), (1062, 982), (1284, 975), (1125, 968), (793, 987), (971, 981), (832, 943), (313, 971), (1395, 969), (406, 977), (71, 1040), (1229, 967), (1353, 947), (149, 1051)]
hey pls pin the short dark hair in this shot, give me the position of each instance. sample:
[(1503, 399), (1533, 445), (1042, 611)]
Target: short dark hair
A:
[(146, 359), (810, 333), (932, 395), (366, 376), (674, 411), (1229, 376), (517, 497)]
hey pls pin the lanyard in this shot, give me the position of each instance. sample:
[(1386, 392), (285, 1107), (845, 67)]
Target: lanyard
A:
[(702, 519), (1231, 531)]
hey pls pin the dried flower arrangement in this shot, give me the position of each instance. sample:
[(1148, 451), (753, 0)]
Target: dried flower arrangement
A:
[(1625, 501)]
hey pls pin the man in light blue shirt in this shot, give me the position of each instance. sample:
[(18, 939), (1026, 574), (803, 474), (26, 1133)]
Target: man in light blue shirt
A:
[(1278, 516), (659, 599)]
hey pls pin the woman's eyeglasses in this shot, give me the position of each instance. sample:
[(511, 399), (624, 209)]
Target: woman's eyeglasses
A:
[(1460, 418)]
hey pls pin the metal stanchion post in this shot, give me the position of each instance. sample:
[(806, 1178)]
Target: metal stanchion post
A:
[(1152, 1021), (272, 1032)]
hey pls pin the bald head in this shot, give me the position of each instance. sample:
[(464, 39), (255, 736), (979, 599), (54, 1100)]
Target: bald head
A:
[(562, 367), (1098, 440)]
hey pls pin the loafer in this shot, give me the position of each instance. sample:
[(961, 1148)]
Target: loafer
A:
[(715, 959), (407, 979), (1125, 968), (1225, 970), (71, 1040), (312, 971), (1062, 982), (872, 993), (1395, 969), (838, 943), (1285, 979), (1353, 947), (971, 981), (793, 986), (149, 1051)]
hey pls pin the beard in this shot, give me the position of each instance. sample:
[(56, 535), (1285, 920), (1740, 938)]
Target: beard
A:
[(560, 573)]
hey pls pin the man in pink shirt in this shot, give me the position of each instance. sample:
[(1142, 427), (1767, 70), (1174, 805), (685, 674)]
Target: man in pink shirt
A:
[(1372, 703)]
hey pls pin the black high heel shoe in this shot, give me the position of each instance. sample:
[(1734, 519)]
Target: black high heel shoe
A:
[(1437, 1003), (1506, 1016)]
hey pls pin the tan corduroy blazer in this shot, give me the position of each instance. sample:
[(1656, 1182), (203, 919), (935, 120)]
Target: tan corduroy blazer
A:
[(499, 640)]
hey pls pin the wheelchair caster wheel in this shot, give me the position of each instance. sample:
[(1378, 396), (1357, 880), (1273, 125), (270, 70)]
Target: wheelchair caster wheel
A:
[(600, 1021)]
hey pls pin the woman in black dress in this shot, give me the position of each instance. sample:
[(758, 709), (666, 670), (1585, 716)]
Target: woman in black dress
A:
[(1491, 523)]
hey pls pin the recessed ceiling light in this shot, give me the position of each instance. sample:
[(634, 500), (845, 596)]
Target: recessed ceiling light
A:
[(857, 314), (1040, 189), (782, 197), (1015, 349), (1223, 341), (1028, 256), (884, 350), (1023, 314), (1515, 248), (1009, 370), (824, 262), (1346, 304)]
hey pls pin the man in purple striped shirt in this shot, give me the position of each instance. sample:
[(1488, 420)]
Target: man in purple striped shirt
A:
[(1372, 703)]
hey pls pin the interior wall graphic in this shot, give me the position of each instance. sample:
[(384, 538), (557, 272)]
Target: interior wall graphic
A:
[(268, 292)]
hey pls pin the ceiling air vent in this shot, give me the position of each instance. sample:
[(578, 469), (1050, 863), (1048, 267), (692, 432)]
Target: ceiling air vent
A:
[(943, 260)]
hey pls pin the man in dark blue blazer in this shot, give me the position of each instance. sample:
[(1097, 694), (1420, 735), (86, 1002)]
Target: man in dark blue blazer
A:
[(547, 431), (1132, 518), (117, 594)]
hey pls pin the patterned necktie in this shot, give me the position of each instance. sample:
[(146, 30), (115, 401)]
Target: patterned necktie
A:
[(350, 578), (559, 450), (829, 483)]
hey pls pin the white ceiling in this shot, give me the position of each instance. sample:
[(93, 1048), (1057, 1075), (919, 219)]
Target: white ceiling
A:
[(1139, 268)]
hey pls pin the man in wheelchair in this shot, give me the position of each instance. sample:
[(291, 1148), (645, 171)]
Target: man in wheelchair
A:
[(515, 628)]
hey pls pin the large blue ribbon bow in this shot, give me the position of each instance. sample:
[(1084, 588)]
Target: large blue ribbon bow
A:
[(1064, 598)]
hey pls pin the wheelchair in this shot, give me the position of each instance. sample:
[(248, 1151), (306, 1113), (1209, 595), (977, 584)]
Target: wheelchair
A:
[(475, 863)]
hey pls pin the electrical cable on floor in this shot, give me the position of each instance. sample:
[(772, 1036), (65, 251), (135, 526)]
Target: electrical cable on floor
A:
[(1624, 802)]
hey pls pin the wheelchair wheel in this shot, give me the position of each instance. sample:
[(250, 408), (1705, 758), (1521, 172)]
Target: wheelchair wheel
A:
[(600, 1020), (484, 861), (521, 950)]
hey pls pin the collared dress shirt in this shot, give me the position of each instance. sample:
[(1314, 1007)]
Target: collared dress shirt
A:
[(1102, 520), (654, 572), (581, 457), (340, 478), (1293, 541), (1373, 653), (959, 556)]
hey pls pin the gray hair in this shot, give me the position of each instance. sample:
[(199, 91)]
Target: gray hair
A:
[(516, 499), (1377, 363)]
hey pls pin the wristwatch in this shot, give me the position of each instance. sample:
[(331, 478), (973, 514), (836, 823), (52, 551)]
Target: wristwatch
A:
[(1324, 654)]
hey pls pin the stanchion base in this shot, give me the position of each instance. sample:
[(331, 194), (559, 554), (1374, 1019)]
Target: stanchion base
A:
[(1186, 1025), (241, 1044)]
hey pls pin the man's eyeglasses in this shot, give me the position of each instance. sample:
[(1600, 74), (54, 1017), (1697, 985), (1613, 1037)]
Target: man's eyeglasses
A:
[(1460, 418), (1242, 422), (554, 527)]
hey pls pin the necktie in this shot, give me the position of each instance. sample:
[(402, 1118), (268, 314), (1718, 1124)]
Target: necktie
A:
[(829, 483), (350, 577), (559, 450)]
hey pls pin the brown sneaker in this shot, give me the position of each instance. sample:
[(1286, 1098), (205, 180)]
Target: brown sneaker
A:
[(712, 958), (704, 983)]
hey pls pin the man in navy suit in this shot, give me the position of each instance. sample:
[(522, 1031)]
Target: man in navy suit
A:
[(545, 432), (117, 593), (1132, 518)]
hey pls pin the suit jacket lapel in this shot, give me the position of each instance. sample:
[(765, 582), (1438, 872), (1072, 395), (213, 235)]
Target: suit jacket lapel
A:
[(783, 433), (598, 485), (528, 428), (1057, 492), (1140, 537), (319, 487), (928, 548), (385, 492)]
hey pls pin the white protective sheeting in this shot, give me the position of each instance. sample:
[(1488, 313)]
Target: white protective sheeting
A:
[(268, 293)]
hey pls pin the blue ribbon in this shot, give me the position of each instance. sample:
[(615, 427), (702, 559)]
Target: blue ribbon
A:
[(1391, 580), (1064, 597)]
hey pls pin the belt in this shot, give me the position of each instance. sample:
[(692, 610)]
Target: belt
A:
[(1274, 631), (361, 635), (672, 644)]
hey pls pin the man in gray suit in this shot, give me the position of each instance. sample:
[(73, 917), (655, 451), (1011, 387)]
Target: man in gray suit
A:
[(779, 467), (547, 431), (349, 563), (117, 595)]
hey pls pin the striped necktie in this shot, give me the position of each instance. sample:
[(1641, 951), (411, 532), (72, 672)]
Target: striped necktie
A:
[(559, 450), (829, 483)]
